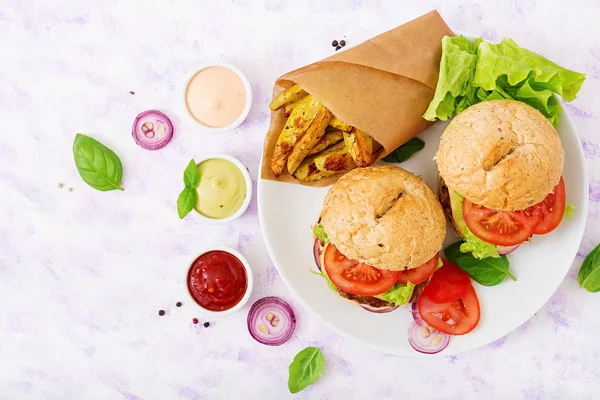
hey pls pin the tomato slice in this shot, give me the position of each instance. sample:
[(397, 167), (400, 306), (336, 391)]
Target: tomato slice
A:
[(355, 277), (419, 274), (448, 284), (502, 228), (454, 318), (552, 209)]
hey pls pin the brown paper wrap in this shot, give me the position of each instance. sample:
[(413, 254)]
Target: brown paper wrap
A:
[(382, 86)]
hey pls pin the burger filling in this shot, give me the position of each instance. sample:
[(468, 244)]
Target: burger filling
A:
[(398, 295), (489, 233)]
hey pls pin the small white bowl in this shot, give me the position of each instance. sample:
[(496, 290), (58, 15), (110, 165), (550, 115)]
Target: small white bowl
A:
[(249, 277), (247, 180), (244, 113)]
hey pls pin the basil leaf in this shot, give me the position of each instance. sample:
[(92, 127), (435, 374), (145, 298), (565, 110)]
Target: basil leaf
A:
[(488, 271), (404, 152), (191, 175), (186, 201), (98, 165), (306, 369), (589, 274)]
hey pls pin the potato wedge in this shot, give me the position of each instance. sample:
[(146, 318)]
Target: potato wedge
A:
[(329, 139), (335, 159), (308, 172), (290, 107), (289, 95), (360, 147), (313, 134), (339, 124), (295, 127)]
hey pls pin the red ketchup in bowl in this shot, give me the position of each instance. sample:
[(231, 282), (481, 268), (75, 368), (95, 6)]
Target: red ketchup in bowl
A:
[(217, 280)]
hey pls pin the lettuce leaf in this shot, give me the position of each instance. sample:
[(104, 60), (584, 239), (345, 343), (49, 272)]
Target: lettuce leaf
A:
[(472, 72), (457, 69), (399, 294), (320, 233), (519, 64), (569, 208)]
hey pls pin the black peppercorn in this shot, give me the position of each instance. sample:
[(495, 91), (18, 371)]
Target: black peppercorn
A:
[(337, 48), (161, 312), (206, 324), (178, 304), (334, 43)]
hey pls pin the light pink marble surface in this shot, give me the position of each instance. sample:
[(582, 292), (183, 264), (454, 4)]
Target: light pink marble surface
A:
[(83, 273)]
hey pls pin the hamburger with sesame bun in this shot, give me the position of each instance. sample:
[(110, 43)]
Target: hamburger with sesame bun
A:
[(500, 164), (378, 237)]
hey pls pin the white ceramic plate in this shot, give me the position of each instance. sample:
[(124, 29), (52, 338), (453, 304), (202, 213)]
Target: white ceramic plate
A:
[(287, 212)]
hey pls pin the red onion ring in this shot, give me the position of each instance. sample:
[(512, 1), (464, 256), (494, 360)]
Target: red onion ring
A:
[(379, 310), (415, 313), (152, 130), (317, 253), (504, 250), (271, 321), (425, 339)]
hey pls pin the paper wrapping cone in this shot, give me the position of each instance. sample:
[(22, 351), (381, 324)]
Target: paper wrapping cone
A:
[(382, 86)]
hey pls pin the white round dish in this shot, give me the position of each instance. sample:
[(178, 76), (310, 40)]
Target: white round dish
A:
[(287, 212), (249, 276), (247, 180), (244, 113)]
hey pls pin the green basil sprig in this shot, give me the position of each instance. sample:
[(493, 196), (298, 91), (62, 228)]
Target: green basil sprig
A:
[(404, 152), (488, 272), (188, 197), (306, 369), (589, 274), (98, 165)]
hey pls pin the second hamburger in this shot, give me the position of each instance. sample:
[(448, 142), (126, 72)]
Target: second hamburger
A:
[(378, 237)]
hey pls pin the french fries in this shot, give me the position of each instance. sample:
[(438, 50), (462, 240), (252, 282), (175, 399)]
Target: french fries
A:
[(339, 124), (329, 139), (315, 144), (335, 159), (360, 147), (295, 127), (289, 95), (308, 172), (313, 134), (289, 107)]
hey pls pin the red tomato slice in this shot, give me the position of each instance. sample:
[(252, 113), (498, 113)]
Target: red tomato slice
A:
[(355, 277), (502, 228), (419, 274), (448, 284), (552, 209), (454, 318)]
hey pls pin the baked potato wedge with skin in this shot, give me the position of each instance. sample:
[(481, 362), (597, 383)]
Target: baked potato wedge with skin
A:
[(289, 95), (313, 134), (308, 172), (290, 107), (339, 124), (295, 126), (335, 159), (360, 147), (329, 139)]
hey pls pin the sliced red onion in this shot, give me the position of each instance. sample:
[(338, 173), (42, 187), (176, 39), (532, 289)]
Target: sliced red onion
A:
[(379, 310), (271, 321), (504, 250), (152, 130), (317, 253), (415, 313), (425, 339)]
